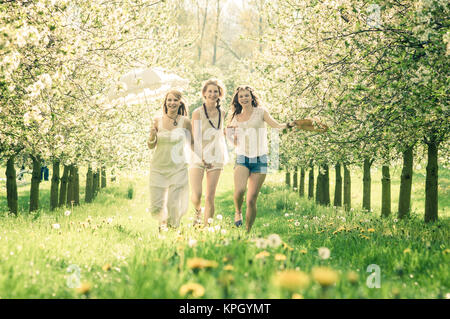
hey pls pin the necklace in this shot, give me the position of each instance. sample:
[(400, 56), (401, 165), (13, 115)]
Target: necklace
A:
[(174, 120), (206, 113)]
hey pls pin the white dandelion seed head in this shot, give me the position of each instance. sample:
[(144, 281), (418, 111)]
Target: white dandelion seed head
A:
[(217, 227), (260, 243), (67, 212), (324, 253), (56, 226), (192, 242), (306, 225), (219, 217), (210, 220), (286, 215), (297, 224), (274, 240), (223, 231)]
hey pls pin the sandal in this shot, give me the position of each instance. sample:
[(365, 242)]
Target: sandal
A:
[(197, 216), (238, 223)]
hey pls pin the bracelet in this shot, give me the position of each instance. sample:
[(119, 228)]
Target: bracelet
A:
[(152, 141), (289, 125)]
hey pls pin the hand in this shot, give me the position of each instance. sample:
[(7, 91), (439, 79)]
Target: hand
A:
[(207, 165), (153, 132), (290, 124)]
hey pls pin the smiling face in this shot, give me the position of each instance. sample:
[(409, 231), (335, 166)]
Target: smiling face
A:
[(211, 93), (245, 97), (172, 104)]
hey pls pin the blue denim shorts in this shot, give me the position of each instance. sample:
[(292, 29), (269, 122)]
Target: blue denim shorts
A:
[(254, 164)]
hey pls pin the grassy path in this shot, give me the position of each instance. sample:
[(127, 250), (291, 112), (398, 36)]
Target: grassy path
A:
[(111, 249)]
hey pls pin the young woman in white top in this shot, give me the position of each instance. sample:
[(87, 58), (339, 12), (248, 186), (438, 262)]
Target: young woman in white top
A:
[(248, 131), (210, 153), (169, 187)]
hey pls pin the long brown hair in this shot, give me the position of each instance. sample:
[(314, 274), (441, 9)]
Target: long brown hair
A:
[(236, 107), (178, 95)]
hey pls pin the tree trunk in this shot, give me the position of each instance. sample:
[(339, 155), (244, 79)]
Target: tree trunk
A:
[(288, 179), (35, 180), (98, 179), (302, 182), (54, 186), (385, 192), (404, 200), (70, 186), (76, 186), (347, 189), (338, 186), (95, 179), (216, 34), (113, 176), (89, 185), (103, 176), (311, 183), (326, 186), (203, 32), (431, 183), (366, 184), (319, 188), (63, 187), (11, 186), (295, 179)]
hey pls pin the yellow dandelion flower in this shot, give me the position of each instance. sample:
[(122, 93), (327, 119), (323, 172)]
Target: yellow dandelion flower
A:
[(262, 255), (362, 230), (280, 257), (342, 228), (286, 246), (303, 251), (225, 259), (352, 277), (226, 279), (407, 251), (371, 230), (194, 289), (106, 267), (84, 288), (446, 251), (297, 296), (200, 263), (228, 267), (365, 237), (325, 276), (291, 280)]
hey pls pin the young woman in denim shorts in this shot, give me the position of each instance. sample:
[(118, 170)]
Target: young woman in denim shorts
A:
[(247, 130)]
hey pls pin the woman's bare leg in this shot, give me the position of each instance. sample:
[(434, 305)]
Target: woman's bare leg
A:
[(212, 179), (196, 180), (241, 174), (255, 181)]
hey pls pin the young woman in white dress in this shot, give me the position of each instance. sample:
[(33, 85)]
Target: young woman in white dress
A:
[(210, 153), (169, 186)]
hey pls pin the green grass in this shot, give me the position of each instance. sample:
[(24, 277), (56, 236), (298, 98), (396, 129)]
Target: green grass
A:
[(34, 257)]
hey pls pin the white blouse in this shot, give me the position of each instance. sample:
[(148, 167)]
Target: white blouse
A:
[(251, 134)]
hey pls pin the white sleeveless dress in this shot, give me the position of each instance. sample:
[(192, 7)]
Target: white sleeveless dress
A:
[(169, 187), (210, 142)]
